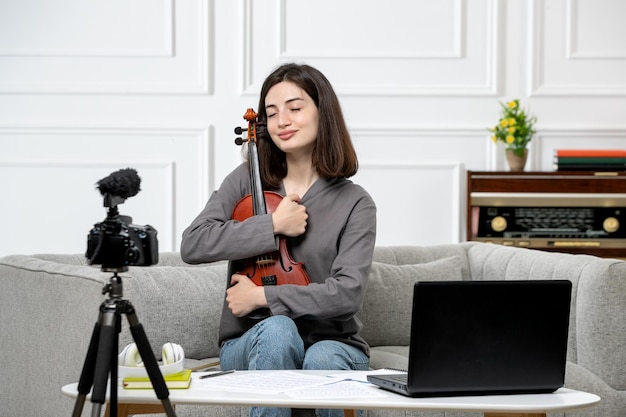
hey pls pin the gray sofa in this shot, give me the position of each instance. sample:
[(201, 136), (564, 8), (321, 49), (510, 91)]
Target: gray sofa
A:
[(49, 304)]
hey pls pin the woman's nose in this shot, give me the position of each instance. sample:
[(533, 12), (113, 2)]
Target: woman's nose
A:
[(283, 119)]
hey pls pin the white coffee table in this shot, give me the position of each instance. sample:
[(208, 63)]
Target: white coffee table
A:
[(534, 405)]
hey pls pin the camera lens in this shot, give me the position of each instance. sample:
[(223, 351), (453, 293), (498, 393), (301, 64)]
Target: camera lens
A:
[(132, 254)]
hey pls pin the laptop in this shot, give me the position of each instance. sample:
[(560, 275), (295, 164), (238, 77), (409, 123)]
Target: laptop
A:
[(485, 338)]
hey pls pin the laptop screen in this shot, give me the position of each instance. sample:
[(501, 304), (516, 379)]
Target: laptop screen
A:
[(489, 336)]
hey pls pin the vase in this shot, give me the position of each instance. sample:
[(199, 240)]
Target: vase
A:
[(516, 162)]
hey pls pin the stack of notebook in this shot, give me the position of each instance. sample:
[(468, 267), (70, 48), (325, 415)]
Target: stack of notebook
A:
[(590, 159), (180, 380)]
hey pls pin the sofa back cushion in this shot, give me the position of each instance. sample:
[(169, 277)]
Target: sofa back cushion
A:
[(180, 304), (386, 312)]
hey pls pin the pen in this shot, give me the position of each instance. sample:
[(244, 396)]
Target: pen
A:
[(217, 374)]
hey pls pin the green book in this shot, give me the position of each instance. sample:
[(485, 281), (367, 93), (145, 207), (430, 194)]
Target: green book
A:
[(180, 380)]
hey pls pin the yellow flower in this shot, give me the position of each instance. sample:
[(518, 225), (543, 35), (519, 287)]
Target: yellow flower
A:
[(515, 126)]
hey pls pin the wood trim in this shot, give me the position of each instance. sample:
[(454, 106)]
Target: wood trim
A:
[(125, 410)]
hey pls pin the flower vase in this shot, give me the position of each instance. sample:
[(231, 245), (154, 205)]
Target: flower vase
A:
[(516, 159)]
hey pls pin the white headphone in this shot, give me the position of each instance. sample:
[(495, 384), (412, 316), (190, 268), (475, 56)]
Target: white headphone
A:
[(171, 353)]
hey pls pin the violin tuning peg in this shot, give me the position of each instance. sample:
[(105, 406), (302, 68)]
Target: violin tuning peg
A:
[(239, 130), (239, 141)]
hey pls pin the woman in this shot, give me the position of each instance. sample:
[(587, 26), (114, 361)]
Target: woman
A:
[(306, 155)]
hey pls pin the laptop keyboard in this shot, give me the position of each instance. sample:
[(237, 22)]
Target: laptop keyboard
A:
[(399, 378)]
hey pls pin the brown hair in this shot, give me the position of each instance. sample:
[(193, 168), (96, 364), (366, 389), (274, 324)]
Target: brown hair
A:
[(334, 155)]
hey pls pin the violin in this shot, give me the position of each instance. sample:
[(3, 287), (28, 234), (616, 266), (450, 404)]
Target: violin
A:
[(274, 268)]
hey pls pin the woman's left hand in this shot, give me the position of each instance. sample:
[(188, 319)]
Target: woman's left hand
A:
[(244, 296)]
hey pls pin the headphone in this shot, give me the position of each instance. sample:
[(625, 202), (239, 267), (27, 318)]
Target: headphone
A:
[(171, 353)]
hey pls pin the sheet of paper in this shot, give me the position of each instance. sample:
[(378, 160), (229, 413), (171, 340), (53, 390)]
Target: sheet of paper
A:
[(342, 389), (263, 382), (362, 375)]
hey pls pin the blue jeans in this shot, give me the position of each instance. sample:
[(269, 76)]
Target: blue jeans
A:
[(274, 343)]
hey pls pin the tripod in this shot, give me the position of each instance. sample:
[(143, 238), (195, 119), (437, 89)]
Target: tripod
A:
[(102, 352)]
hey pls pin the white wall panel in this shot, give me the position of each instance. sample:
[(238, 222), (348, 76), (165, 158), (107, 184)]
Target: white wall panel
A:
[(54, 202), (66, 46), (595, 29), (578, 47), (419, 30), (64, 28), (418, 204), (403, 48)]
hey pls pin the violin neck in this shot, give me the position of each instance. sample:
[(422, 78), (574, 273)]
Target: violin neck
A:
[(258, 197)]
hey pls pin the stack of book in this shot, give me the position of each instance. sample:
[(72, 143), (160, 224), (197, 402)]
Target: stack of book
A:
[(180, 380), (590, 159)]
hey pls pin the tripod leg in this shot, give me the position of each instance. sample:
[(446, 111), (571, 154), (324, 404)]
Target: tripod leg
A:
[(113, 405), (150, 362), (103, 361), (86, 376)]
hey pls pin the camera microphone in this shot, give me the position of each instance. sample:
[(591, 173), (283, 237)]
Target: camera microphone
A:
[(116, 243), (123, 183)]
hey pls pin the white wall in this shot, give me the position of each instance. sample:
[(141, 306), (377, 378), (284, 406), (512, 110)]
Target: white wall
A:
[(89, 87)]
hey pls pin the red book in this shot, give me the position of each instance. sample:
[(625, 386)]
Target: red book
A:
[(611, 153)]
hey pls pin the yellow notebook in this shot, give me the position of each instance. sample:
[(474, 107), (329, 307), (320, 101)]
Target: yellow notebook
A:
[(179, 380)]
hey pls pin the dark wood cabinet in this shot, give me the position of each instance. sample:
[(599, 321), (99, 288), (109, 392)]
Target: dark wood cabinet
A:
[(568, 211)]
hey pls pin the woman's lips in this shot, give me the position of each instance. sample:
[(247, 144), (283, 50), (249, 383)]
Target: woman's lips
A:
[(286, 134)]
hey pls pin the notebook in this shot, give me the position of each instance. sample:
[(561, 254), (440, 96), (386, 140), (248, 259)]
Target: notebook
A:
[(485, 338)]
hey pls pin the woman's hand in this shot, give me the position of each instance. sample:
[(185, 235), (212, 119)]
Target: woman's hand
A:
[(290, 217), (244, 296)]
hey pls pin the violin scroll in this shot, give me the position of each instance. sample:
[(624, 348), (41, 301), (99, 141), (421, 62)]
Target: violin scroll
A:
[(253, 127)]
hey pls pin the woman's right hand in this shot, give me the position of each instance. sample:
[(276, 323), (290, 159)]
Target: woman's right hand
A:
[(290, 217)]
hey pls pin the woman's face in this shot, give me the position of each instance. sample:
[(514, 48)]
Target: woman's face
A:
[(292, 118)]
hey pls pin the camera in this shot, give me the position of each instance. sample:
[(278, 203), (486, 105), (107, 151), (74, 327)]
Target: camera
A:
[(116, 243)]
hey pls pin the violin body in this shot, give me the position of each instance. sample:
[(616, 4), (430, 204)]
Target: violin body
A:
[(274, 268)]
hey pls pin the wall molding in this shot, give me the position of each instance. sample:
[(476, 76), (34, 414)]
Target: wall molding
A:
[(456, 52), (185, 63), (572, 49), (492, 64), (537, 86)]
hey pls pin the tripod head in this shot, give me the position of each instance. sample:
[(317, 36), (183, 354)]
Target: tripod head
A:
[(114, 288)]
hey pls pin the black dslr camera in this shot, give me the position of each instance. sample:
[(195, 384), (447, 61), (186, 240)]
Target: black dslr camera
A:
[(116, 243)]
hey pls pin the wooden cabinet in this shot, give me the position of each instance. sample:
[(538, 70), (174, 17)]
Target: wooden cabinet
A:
[(569, 211)]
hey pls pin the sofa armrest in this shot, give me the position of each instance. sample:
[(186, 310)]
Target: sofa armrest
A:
[(48, 313), (598, 312), (601, 321)]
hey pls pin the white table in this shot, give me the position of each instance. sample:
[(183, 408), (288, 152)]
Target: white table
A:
[(491, 405)]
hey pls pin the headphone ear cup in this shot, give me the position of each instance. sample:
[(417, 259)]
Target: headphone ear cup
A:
[(167, 353), (130, 356), (172, 353)]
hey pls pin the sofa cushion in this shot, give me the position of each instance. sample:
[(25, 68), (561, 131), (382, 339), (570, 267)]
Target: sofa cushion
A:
[(178, 304), (390, 357), (386, 312)]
